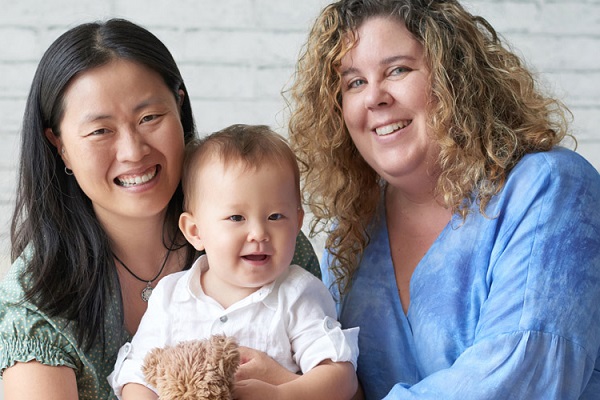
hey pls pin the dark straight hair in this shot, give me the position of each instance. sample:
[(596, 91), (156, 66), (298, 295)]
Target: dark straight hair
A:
[(70, 269)]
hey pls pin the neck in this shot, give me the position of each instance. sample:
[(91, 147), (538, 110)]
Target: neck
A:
[(417, 196), (138, 242), (416, 212), (135, 232)]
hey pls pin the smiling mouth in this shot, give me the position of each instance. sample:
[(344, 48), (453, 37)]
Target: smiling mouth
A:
[(255, 257), (134, 180), (391, 128)]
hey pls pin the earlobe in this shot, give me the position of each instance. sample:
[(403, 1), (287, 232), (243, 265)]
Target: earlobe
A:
[(188, 227), (300, 218)]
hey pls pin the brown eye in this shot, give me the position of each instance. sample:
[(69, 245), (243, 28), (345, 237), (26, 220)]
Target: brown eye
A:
[(98, 132), (275, 217), (149, 118)]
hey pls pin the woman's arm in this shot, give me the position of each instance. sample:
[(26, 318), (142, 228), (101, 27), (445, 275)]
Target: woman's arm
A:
[(33, 380)]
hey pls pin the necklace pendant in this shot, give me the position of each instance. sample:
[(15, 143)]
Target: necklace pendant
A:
[(146, 292)]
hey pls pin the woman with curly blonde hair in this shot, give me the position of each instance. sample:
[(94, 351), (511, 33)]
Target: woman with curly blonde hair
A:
[(462, 239)]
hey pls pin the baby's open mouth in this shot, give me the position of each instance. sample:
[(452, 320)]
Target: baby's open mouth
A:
[(255, 257)]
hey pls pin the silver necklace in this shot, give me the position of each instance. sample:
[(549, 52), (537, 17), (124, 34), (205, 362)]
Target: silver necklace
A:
[(147, 291)]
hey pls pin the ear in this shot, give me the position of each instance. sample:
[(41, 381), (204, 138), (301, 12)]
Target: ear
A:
[(187, 225), (57, 142), (181, 94)]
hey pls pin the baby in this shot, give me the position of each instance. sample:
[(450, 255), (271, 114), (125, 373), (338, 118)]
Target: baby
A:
[(243, 209)]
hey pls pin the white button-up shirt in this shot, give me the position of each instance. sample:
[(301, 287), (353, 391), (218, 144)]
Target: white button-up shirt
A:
[(292, 319)]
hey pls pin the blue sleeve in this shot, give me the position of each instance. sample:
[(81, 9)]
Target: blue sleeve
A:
[(521, 365), (538, 332), (329, 280)]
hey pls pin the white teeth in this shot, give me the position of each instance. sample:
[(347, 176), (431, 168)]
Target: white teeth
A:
[(386, 130), (136, 180)]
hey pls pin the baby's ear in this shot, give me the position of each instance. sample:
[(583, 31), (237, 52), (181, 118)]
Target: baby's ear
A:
[(300, 219), (189, 228)]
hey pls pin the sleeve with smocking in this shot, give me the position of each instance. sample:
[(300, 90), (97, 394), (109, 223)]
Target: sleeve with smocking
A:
[(28, 334)]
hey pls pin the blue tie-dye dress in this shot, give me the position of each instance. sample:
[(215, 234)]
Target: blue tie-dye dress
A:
[(502, 307)]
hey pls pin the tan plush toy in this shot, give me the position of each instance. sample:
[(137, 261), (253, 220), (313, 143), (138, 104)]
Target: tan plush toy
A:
[(194, 370)]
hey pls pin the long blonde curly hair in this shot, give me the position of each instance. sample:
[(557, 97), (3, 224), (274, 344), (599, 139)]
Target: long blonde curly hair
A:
[(486, 115)]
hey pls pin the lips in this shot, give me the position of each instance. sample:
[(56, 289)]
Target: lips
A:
[(255, 257), (137, 179), (391, 128)]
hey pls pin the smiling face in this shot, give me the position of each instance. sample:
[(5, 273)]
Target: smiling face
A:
[(247, 220), (121, 135), (385, 101)]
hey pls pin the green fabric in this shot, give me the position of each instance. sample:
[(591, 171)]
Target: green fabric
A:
[(26, 333), (305, 256)]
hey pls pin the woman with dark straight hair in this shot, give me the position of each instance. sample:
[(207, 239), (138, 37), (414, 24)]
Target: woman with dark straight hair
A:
[(98, 202)]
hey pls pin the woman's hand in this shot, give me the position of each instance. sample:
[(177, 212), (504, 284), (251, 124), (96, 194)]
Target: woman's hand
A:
[(257, 365)]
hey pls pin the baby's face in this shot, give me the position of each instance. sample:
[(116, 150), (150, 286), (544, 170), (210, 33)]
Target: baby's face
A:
[(247, 220)]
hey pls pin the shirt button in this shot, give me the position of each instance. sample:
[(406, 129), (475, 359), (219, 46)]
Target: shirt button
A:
[(329, 324), (223, 318)]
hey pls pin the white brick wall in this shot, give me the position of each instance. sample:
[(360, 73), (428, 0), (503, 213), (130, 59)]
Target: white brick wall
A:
[(560, 39)]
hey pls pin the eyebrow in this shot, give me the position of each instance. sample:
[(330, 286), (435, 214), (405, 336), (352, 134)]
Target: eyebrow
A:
[(384, 62), (94, 117)]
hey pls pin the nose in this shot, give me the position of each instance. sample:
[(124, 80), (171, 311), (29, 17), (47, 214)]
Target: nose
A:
[(377, 95), (131, 146), (258, 232)]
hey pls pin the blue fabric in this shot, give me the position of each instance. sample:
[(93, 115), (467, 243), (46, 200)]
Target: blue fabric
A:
[(506, 307)]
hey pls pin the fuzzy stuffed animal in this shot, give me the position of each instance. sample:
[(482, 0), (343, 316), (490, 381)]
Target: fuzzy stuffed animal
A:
[(194, 370)]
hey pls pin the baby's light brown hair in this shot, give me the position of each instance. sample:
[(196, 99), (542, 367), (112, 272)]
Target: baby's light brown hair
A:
[(252, 145)]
